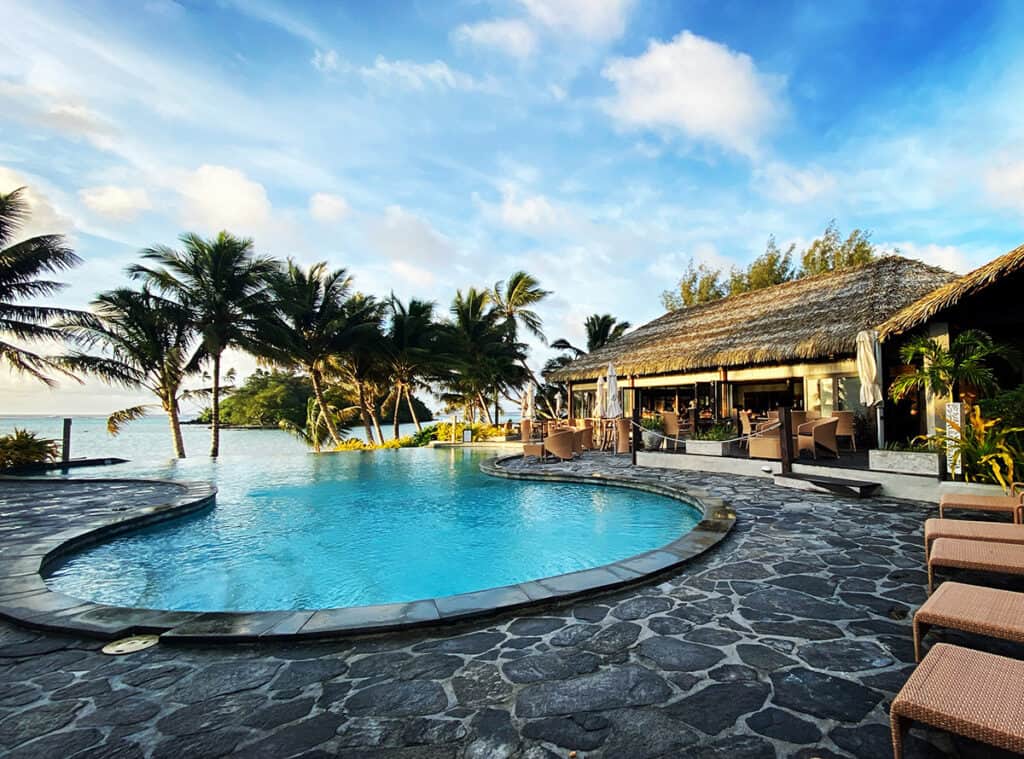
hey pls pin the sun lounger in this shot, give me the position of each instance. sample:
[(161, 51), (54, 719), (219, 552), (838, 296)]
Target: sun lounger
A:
[(966, 692), (967, 529), (1004, 504), (1000, 558), (971, 608)]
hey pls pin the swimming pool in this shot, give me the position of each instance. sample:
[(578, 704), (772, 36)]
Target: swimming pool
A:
[(354, 529)]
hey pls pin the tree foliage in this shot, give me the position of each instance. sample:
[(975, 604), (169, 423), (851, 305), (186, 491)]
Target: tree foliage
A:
[(704, 283)]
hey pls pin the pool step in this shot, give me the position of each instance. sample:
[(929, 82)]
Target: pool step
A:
[(823, 484)]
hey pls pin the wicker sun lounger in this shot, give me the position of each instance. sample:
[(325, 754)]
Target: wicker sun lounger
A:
[(1004, 504), (966, 529), (971, 608), (1001, 558), (966, 692)]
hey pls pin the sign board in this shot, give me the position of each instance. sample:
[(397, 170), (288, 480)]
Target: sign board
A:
[(954, 418)]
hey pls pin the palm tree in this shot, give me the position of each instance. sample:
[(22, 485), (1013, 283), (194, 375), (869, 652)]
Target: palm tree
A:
[(22, 268), (146, 342), (223, 284), (513, 298), (601, 330), (963, 366), (411, 345), (317, 319)]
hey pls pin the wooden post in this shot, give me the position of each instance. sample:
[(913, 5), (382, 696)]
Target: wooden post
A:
[(636, 422), (65, 454), (786, 439), (569, 404)]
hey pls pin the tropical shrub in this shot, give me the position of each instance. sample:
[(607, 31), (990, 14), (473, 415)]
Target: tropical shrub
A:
[(24, 448), (917, 445), (480, 430), (426, 435), (715, 432), (985, 449), (653, 423)]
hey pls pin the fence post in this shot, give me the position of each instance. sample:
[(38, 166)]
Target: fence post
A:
[(786, 439), (636, 422), (65, 454)]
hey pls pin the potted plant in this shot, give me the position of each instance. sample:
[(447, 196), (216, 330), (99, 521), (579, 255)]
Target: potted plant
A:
[(652, 432), (713, 441)]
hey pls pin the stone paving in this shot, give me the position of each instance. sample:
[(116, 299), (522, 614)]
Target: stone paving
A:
[(788, 639)]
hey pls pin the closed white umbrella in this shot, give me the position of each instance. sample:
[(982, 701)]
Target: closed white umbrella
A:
[(558, 405), (529, 401), (599, 398), (613, 407), (867, 367)]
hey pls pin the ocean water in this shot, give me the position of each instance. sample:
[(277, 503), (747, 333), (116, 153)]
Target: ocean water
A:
[(295, 530)]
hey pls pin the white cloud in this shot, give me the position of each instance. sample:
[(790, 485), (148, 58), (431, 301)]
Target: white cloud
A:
[(123, 203), (218, 197), (950, 257), (405, 237), (532, 212), (1005, 184), (436, 75), (326, 61), (698, 87), (324, 206), (510, 36), (788, 184), (594, 20), (44, 218)]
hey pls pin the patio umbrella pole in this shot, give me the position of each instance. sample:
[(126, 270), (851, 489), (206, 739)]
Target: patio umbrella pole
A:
[(636, 422)]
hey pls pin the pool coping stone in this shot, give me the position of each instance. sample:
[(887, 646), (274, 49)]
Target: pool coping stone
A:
[(26, 599)]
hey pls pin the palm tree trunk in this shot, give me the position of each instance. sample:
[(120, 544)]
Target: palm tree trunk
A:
[(398, 401), (486, 412), (412, 410), (364, 413), (179, 443), (497, 408), (318, 391), (376, 426), (215, 411)]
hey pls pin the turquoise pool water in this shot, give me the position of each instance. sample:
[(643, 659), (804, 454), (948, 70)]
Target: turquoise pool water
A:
[(292, 530)]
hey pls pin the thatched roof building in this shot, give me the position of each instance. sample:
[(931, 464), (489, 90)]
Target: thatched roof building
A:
[(815, 318), (994, 274)]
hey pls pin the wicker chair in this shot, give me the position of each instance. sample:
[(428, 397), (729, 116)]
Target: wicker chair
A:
[(585, 438), (971, 693), (622, 434), (766, 443), (560, 444), (746, 428), (818, 432), (672, 431), (845, 427)]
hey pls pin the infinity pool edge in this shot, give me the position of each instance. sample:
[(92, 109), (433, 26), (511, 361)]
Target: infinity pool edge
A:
[(26, 599)]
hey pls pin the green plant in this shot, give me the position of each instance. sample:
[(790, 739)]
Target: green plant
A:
[(965, 364), (653, 423), (480, 431), (24, 448), (425, 435), (917, 445), (984, 448), (717, 432)]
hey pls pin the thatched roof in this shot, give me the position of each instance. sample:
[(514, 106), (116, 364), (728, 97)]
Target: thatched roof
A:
[(951, 294), (807, 319)]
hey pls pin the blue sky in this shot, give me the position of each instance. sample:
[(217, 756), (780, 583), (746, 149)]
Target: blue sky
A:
[(429, 146)]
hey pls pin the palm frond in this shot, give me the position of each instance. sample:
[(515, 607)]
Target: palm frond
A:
[(117, 420)]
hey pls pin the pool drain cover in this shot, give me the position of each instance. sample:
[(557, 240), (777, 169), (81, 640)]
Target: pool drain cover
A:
[(130, 645)]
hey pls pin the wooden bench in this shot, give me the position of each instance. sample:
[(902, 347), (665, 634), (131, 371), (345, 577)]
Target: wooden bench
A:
[(966, 692), (1001, 558), (966, 529), (971, 608)]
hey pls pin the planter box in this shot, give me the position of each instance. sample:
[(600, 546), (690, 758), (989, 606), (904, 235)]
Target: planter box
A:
[(707, 447), (652, 441), (905, 462)]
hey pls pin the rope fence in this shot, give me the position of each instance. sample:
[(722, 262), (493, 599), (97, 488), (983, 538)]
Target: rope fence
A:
[(757, 433)]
